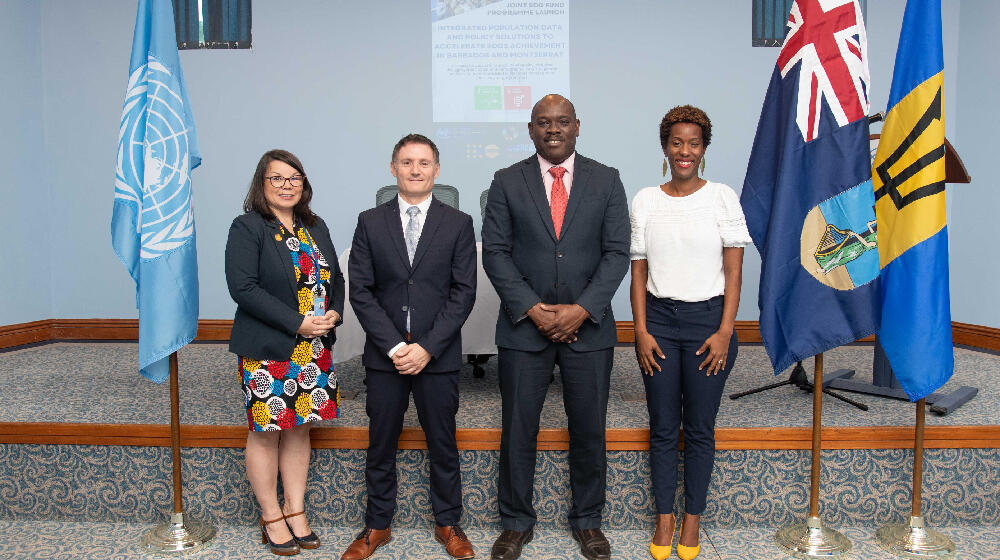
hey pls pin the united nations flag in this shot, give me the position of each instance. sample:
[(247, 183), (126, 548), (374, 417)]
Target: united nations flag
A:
[(152, 225), (908, 178)]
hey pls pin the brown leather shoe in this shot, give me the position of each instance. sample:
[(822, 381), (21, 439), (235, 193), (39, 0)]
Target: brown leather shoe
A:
[(508, 545), (366, 543), (455, 542), (593, 544)]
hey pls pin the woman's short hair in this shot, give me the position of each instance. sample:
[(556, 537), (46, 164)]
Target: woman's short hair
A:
[(256, 201), (685, 114)]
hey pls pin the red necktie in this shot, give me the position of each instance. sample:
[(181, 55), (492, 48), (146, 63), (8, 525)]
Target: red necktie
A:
[(558, 198)]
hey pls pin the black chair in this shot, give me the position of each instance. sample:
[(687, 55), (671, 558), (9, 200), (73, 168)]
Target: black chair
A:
[(482, 203), (445, 193), (477, 360)]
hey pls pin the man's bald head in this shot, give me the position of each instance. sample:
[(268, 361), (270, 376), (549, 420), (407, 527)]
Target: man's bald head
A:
[(553, 98)]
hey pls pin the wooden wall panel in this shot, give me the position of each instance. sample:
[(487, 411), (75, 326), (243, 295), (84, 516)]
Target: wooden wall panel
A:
[(867, 437), (217, 330)]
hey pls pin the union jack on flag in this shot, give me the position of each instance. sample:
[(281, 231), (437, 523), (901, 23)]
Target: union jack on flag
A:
[(828, 36), (808, 196)]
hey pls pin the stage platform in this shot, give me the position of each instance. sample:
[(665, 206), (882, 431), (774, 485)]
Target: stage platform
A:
[(98, 383), (83, 438)]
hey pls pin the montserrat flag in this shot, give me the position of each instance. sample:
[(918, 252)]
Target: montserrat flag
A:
[(808, 195), (909, 180)]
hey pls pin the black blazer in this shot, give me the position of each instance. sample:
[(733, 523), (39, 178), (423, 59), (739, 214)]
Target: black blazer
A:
[(527, 265), (261, 281), (439, 290)]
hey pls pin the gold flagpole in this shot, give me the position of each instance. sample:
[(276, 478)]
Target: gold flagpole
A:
[(181, 534), (811, 539), (914, 540)]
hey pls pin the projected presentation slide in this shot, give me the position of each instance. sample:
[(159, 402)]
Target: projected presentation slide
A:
[(493, 59)]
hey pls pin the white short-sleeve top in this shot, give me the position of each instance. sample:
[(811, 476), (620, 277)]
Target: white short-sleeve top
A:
[(682, 238)]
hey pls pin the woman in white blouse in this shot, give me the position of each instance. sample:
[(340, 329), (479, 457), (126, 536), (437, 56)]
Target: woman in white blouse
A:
[(687, 257)]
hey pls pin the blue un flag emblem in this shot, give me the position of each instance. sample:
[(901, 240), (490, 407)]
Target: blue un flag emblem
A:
[(153, 154)]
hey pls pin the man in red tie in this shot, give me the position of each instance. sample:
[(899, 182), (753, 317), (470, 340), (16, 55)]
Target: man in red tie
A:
[(555, 247)]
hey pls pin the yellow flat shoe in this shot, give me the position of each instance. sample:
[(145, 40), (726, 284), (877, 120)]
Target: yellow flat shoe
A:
[(659, 552)]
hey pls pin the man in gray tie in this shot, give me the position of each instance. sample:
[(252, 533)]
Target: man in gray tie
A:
[(412, 275)]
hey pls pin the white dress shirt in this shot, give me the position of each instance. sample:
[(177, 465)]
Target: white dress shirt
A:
[(404, 218)]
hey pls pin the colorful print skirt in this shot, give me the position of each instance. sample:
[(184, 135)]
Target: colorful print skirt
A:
[(285, 394)]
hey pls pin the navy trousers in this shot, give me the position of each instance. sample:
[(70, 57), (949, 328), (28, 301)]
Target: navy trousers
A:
[(436, 398), (680, 393), (524, 380)]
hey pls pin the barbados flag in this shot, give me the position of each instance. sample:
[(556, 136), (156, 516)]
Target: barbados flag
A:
[(808, 195), (909, 180), (152, 225)]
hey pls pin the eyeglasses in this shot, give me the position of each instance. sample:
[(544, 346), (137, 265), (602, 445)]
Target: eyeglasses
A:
[(277, 181)]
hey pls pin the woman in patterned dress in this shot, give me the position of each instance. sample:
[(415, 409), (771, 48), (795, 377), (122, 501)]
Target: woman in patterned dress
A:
[(282, 271)]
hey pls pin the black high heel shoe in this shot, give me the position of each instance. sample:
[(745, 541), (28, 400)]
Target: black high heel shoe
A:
[(290, 548), (309, 541)]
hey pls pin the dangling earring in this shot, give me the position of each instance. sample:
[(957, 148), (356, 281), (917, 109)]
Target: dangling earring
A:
[(701, 167), (665, 167)]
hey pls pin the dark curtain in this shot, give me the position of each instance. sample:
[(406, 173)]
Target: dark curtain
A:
[(226, 24), (770, 17)]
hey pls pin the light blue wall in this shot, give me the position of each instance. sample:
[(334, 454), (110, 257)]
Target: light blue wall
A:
[(25, 204), (338, 83), (972, 220)]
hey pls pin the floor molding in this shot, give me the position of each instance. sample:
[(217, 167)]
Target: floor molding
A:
[(217, 330), (25, 333), (977, 336), (158, 435)]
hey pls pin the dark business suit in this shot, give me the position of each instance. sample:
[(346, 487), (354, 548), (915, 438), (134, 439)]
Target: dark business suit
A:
[(261, 280), (527, 264), (438, 290)]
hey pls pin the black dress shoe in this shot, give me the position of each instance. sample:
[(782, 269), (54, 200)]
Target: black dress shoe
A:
[(593, 544), (308, 542), (508, 544)]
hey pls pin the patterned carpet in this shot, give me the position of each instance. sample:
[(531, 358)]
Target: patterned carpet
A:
[(98, 382), (47, 540), (749, 488)]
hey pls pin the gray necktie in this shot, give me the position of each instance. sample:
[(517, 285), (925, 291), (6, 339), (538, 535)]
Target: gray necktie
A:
[(412, 235), (412, 232)]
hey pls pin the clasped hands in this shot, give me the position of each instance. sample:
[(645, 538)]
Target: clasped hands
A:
[(558, 322), (318, 325), (410, 359)]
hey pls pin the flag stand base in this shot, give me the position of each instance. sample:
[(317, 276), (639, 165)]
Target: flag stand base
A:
[(798, 378), (914, 540), (884, 384), (812, 540), (179, 535)]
